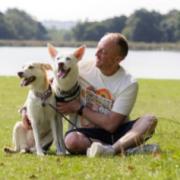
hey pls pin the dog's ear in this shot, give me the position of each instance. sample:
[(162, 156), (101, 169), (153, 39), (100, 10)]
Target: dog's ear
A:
[(52, 50), (46, 66), (79, 52)]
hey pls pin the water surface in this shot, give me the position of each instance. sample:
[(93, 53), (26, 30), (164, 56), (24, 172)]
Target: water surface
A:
[(141, 64)]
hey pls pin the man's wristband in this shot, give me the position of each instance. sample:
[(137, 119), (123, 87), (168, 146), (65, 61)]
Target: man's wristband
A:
[(80, 111)]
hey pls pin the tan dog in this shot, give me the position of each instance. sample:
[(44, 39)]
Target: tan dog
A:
[(66, 74), (45, 126)]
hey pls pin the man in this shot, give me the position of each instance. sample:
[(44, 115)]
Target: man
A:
[(110, 133)]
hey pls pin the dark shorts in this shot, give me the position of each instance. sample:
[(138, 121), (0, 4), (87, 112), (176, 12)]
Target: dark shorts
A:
[(103, 135)]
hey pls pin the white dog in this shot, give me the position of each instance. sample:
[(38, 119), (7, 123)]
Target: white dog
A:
[(66, 74), (45, 126)]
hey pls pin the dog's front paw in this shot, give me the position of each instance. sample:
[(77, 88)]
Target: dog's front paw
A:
[(24, 151), (40, 154), (60, 153)]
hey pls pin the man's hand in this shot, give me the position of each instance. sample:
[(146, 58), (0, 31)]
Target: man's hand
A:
[(68, 107)]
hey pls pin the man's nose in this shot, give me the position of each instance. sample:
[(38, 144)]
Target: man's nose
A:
[(97, 53)]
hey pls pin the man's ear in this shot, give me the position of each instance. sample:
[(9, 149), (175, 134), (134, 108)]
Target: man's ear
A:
[(79, 52), (52, 50), (119, 58)]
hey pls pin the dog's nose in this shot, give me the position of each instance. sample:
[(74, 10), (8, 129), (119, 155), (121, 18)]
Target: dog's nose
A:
[(60, 65), (20, 74)]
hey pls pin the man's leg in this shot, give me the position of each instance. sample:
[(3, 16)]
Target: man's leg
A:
[(142, 129), (78, 140), (77, 143)]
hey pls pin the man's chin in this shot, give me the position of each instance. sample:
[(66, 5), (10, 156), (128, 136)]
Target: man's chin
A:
[(98, 64)]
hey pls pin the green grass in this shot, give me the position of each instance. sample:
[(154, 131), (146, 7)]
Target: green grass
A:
[(159, 97)]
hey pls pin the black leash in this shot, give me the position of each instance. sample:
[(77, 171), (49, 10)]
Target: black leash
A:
[(74, 125), (55, 109)]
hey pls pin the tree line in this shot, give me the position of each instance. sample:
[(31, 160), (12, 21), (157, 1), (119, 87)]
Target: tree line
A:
[(141, 26), (17, 24)]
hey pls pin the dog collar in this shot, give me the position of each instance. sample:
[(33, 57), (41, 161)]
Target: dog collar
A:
[(66, 96), (45, 95)]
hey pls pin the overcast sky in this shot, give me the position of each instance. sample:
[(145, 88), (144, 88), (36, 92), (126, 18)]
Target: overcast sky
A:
[(75, 10)]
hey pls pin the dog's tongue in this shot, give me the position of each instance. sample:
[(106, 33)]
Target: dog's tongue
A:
[(60, 74), (23, 82)]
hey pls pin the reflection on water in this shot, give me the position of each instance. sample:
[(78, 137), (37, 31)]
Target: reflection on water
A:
[(142, 64), (154, 64)]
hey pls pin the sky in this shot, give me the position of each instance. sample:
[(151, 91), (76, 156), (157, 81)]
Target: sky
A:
[(81, 10)]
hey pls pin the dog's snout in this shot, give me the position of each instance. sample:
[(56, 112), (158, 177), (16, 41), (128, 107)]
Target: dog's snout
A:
[(20, 74), (60, 64)]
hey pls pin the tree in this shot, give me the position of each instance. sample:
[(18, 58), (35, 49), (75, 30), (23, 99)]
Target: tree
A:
[(93, 31), (79, 30), (115, 24), (5, 32), (23, 26), (60, 35), (144, 26), (170, 26)]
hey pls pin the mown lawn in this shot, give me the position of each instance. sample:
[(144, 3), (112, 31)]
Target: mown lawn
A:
[(159, 97)]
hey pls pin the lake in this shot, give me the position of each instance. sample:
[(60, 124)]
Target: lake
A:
[(141, 64)]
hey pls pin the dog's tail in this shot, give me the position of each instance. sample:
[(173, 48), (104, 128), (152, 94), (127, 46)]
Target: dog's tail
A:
[(9, 150)]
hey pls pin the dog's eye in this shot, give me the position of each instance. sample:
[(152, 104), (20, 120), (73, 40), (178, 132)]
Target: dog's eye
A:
[(30, 67), (59, 57), (68, 58)]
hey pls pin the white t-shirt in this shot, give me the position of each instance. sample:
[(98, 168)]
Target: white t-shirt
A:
[(122, 86)]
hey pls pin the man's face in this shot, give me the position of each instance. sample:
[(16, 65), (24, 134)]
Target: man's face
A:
[(107, 54)]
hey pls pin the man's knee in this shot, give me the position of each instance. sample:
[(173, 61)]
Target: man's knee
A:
[(151, 121), (76, 142), (145, 124), (71, 140)]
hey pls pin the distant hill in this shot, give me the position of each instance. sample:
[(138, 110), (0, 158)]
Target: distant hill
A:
[(50, 24)]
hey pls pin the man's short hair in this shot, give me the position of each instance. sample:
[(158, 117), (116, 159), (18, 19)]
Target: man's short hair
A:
[(122, 43)]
